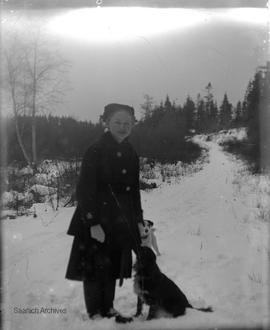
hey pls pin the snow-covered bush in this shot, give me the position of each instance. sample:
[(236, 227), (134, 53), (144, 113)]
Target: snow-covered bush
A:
[(7, 199), (26, 171), (148, 173), (16, 200), (255, 190), (158, 173), (51, 181), (239, 144), (41, 192), (231, 135), (54, 182)]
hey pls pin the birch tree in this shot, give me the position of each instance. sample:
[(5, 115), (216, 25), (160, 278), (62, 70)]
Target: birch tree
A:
[(35, 84)]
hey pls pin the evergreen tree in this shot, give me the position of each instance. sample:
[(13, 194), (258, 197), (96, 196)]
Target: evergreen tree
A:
[(252, 103), (213, 116), (167, 103), (189, 110), (225, 114), (208, 97), (265, 120), (238, 119), (210, 109), (254, 113), (58, 137), (147, 106), (201, 114), (163, 134)]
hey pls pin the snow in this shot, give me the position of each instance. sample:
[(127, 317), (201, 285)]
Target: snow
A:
[(230, 135), (7, 197), (42, 190), (214, 244), (172, 173), (26, 171)]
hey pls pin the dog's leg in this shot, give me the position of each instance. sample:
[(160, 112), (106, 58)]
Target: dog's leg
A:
[(152, 314), (139, 307)]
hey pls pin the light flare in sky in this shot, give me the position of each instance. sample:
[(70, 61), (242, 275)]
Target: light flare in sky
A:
[(247, 15), (109, 24), (105, 24)]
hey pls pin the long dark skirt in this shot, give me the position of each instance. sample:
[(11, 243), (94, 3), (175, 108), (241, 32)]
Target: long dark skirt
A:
[(92, 260), (95, 261)]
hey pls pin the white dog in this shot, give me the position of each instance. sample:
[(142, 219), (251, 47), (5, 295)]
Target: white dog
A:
[(148, 236)]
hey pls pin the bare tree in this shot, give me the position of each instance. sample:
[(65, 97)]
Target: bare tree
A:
[(15, 85), (36, 81), (147, 106)]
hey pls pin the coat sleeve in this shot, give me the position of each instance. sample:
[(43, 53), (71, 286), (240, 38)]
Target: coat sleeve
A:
[(86, 191), (136, 192)]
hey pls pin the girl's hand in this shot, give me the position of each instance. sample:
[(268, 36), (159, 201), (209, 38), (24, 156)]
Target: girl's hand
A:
[(97, 233)]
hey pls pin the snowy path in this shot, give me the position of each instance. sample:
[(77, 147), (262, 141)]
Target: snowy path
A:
[(207, 246)]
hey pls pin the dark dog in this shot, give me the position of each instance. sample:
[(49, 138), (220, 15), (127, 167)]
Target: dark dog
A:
[(157, 290)]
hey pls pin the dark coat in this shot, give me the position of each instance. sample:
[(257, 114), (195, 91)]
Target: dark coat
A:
[(108, 189)]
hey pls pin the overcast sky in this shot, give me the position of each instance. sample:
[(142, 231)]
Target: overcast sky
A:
[(118, 55), (152, 3)]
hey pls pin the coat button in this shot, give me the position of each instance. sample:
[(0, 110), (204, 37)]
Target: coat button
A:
[(89, 216), (124, 171), (119, 154), (127, 188)]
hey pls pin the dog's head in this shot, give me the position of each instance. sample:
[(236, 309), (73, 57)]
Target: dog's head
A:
[(145, 228)]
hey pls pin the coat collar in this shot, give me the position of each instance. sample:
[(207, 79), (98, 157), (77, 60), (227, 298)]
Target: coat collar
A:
[(109, 139)]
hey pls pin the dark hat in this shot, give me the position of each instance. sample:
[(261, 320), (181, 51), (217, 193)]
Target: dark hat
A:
[(113, 107)]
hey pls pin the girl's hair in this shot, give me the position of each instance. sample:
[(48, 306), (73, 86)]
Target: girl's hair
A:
[(111, 108)]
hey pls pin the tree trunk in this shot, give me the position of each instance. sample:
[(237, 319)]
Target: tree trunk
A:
[(34, 145), (12, 84), (19, 138), (34, 135)]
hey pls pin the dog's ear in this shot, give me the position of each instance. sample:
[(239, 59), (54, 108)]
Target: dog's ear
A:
[(150, 223)]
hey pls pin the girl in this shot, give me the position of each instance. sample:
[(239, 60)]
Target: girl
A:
[(105, 222)]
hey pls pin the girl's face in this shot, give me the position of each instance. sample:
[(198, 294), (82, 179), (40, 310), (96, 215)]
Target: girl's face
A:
[(120, 125)]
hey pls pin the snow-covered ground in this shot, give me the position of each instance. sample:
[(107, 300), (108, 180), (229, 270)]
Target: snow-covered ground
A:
[(214, 245)]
